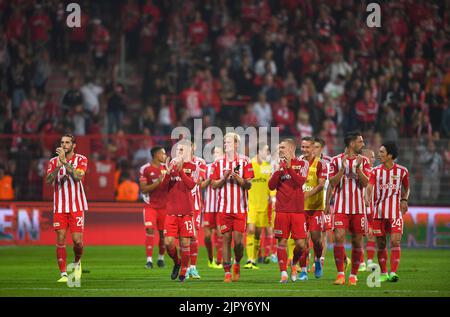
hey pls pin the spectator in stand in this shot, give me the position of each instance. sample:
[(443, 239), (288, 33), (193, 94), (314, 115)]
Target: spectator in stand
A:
[(100, 45), (423, 126), (128, 190), (209, 88), (263, 111), (142, 155), (42, 72), (335, 89), (269, 89), (147, 119), (150, 10), (249, 118), (339, 67), (366, 112), (284, 117), (58, 34), (446, 122), (290, 85), (91, 92), (267, 59), (15, 27), (30, 103), (116, 108), (78, 41), (431, 162), (166, 116), (191, 100), (244, 78), (227, 86), (40, 26), (435, 103), (198, 30), (79, 120), (72, 97), (131, 26), (303, 126), (148, 35), (390, 123), (6, 185)]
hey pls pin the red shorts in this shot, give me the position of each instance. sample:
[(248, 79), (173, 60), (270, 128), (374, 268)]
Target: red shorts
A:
[(197, 219), (232, 222), (290, 224), (327, 223), (381, 227), (210, 220), (73, 220), (354, 223), (314, 220), (179, 226), (154, 218)]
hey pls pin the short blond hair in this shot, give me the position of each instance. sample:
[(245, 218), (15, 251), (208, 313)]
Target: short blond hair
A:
[(235, 136)]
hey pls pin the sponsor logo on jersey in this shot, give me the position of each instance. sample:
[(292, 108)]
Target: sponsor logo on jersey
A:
[(278, 231), (377, 231), (148, 223)]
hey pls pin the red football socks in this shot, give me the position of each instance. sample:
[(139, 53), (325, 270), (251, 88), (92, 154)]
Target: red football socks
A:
[(61, 256)]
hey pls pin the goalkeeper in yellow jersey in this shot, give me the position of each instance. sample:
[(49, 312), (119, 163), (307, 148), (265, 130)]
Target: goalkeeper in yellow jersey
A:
[(258, 202)]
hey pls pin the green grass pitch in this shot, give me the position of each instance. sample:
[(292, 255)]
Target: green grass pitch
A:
[(119, 271)]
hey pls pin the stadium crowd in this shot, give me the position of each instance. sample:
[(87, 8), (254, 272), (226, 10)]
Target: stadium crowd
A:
[(308, 67)]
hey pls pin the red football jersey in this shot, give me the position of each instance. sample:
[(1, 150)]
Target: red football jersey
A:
[(211, 195), (158, 197), (232, 197), (179, 197), (387, 190), (200, 172), (288, 183), (349, 192), (68, 195)]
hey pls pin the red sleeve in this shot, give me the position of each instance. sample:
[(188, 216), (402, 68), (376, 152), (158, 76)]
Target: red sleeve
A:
[(298, 178), (372, 178), (51, 166), (321, 170), (274, 180), (366, 167), (82, 165), (215, 173), (333, 168), (142, 177), (187, 180), (203, 169), (248, 171), (405, 180)]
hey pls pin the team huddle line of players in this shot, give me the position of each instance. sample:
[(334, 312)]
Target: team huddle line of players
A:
[(297, 199)]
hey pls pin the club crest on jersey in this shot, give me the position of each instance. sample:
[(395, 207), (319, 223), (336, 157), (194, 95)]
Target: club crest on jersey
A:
[(224, 227), (338, 223), (187, 170), (56, 224)]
